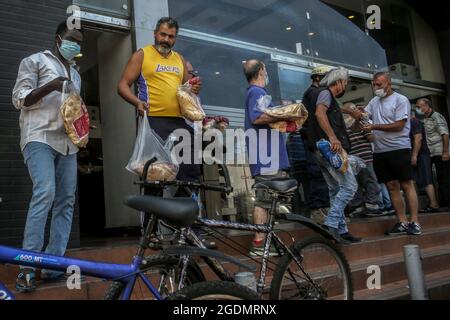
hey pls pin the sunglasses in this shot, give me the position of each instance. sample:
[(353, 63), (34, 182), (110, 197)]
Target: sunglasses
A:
[(193, 73)]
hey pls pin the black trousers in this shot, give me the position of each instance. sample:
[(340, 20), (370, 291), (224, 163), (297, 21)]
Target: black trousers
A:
[(443, 178)]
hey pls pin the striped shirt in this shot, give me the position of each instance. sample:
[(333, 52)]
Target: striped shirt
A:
[(360, 145)]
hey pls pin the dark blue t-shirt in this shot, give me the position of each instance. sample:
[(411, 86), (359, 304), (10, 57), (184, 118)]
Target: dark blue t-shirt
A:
[(418, 128), (263, 143)]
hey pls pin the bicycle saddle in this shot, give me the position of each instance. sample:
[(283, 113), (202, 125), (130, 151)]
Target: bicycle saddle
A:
[(282, 185), (179, 211)]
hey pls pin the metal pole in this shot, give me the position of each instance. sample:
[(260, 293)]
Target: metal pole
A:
[(416, 278)]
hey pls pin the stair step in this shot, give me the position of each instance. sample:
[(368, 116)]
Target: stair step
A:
[(400, 289)]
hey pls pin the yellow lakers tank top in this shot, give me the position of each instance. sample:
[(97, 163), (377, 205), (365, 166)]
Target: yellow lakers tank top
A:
[(158, 82)]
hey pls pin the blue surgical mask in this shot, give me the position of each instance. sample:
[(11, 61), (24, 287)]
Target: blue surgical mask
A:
[(69, 49)]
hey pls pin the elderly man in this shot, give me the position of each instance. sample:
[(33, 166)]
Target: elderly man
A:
[(436, 130), (258, 79), (328, 123), (390, 114)]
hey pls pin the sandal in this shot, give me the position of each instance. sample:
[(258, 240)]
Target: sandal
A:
[(26, 281)]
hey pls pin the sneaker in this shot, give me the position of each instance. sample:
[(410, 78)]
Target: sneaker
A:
[(356, 212), (399, 228), (26, 281), (389, 211), (351, 238), (257, 249), (319, 216), (209, 244), (335, 233), (429, 210), (414, 229)]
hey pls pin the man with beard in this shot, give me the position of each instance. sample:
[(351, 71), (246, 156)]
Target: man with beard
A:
[(158, 71)]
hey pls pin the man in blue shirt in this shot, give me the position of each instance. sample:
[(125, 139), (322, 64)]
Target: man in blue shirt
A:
[(271, 158)]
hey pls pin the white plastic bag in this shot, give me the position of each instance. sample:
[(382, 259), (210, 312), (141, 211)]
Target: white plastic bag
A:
[(357, 164), (148, 146)]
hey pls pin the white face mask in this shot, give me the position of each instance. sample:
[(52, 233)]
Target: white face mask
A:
[(381, 93)]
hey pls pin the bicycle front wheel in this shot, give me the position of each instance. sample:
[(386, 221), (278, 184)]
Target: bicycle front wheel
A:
[(318, 271), (164, 274), (215, 290)]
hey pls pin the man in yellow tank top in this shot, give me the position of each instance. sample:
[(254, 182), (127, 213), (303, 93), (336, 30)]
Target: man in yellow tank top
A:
[(158, 71)]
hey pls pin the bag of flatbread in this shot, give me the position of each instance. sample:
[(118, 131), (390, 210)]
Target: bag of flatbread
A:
[(189, 102), (149, 146), (292, 116), (75, 115), (216, 122)]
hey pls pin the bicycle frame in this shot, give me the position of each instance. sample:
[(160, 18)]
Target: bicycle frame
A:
[(126, 273), (267, 228)]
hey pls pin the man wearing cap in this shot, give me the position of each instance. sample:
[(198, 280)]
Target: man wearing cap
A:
[(328, 123), (316, 192)]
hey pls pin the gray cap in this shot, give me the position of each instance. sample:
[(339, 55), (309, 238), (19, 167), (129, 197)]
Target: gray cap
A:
[(334, 76)]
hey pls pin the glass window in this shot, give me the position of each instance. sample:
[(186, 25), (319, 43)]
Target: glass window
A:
[(307, 27), (221, 70), (119, 8), (294, 82), (395, 34)]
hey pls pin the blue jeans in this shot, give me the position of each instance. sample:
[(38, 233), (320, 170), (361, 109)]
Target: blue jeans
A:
[(384, 198), (342, 188), (54, 178)]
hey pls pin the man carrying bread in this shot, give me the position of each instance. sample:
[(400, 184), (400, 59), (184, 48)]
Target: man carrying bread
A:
[(158, 71), (49, 154)]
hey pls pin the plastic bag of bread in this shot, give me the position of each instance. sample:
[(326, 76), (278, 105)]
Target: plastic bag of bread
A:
[(75, 115), (189, 102), (150, 146), (216, 122), (158, 171), (292, 116)]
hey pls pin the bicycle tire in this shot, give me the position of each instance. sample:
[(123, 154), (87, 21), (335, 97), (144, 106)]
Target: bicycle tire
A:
[(298, 247), (157, 263), (215, 290)]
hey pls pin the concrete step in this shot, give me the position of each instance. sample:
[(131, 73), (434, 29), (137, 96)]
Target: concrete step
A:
[(400, 290), (376, 249)]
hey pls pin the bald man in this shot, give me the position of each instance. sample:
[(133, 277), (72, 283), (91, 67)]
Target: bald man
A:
[(258, 79), (390, 113)]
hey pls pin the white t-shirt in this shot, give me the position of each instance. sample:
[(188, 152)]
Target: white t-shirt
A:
[(388, 110)]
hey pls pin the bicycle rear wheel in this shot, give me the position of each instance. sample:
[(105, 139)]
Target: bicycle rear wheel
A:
[(215, 290), (322, 273), (163, 272)]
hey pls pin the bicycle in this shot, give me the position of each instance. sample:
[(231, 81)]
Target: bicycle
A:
[(127, 276), (297, 272)]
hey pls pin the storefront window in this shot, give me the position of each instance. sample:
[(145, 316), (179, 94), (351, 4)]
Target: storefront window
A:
[(294, 82), (307, 27), (119, 8), (221, 69)]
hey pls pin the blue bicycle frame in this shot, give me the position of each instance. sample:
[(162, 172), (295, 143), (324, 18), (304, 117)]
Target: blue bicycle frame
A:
[(108, 271)]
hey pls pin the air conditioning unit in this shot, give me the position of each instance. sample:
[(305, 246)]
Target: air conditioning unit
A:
[(405, 71)]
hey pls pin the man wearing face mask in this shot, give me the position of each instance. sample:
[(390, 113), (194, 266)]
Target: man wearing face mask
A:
[(257, 121), (390, 114), (49, 154), (328, 123)]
